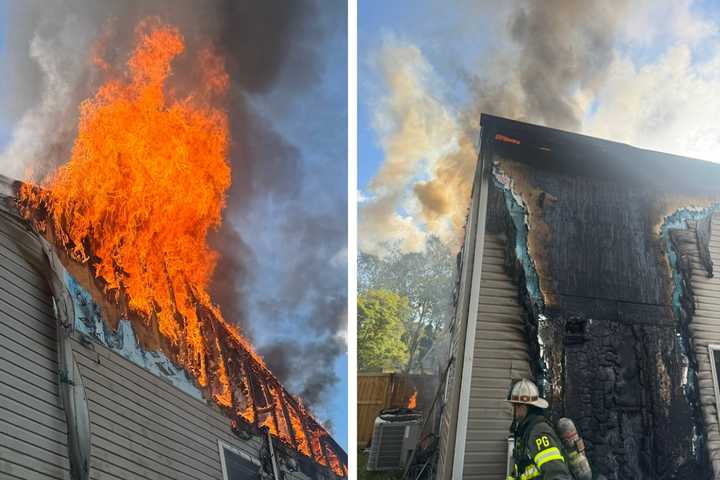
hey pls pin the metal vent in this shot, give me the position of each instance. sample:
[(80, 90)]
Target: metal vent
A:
[(391, 443)]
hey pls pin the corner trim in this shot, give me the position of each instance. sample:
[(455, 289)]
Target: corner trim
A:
[(70, 386)]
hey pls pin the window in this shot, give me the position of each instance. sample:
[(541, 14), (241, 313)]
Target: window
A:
[(237, 465), (714, 351)]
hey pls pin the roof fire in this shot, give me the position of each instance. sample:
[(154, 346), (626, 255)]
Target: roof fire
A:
[(145, 184)]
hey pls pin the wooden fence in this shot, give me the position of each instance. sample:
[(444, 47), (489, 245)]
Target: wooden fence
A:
[(377, 391)]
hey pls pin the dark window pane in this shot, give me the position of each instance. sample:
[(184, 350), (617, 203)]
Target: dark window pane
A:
[(240, 468)]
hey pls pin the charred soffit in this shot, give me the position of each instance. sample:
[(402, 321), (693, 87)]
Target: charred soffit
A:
[(257, 399), (591, 226)]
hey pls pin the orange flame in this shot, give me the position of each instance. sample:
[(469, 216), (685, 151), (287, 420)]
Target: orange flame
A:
[(268, 423), (145, 183), (506, 139), (412, 402), (317, 447), (335, 464), (300, 437)]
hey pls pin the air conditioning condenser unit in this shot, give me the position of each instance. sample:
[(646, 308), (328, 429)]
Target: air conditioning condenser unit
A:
[(395, 435)]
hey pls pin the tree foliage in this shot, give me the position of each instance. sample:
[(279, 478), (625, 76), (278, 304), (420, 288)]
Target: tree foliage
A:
[(426, 278), (381, 318)]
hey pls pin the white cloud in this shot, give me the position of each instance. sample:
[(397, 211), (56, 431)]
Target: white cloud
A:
[(670, 105)]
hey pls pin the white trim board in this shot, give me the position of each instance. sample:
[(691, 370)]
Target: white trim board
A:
[(473, 307)]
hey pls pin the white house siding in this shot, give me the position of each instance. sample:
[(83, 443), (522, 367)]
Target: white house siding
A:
[(500, 354)]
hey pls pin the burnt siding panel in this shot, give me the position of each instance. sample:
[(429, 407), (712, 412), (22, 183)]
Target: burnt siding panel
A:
[(705, 330), (501, 353), (32, 426), (612, 359), (618, 257)]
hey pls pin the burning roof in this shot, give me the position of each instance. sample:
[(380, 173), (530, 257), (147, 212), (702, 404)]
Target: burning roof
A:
[(145, 184)]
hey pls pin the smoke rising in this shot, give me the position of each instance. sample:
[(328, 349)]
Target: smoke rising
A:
[(275, 53), (414, 129), (555, 57)]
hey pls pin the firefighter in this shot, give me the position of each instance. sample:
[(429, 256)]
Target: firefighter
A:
[(537, 452)]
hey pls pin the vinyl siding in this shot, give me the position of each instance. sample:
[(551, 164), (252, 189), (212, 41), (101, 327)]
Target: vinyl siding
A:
[(32, 424), (144, 427), (500, 355)]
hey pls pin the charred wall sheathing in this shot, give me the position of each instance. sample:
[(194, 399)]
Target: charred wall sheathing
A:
[(607, 304)]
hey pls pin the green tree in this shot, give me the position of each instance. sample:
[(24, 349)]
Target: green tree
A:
[(426, 278), (381, 318)]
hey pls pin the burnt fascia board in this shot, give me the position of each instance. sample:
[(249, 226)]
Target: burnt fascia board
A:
[(570, 153), (482, 184)]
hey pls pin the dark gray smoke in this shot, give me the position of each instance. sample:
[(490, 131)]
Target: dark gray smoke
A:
[(564, 48), (299, 364), (275, 53)]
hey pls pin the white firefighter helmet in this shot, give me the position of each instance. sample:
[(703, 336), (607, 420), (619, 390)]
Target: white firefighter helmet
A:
[(526, 392)]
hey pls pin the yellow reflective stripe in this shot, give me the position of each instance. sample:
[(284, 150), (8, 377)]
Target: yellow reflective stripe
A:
[(530, 472), (547, 455)]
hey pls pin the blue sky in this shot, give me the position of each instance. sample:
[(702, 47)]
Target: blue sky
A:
[(314, 121)]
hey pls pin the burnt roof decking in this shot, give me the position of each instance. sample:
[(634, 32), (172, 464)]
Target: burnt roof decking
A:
[(572, 153)]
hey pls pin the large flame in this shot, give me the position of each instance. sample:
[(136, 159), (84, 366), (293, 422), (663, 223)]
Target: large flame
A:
[(145, 184)]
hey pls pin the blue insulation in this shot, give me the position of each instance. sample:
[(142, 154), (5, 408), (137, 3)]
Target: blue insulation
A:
[(88, 320)]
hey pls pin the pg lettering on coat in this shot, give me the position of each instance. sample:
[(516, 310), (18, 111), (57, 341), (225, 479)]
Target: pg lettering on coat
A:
[(542, 442)]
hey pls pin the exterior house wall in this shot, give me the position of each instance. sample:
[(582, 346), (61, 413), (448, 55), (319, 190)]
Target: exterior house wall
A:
[(141, 426), (606, 332)]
